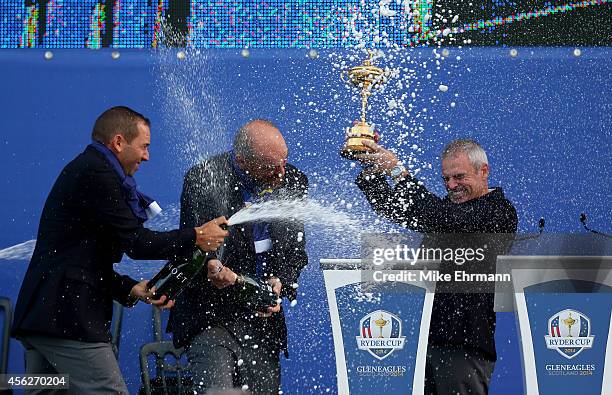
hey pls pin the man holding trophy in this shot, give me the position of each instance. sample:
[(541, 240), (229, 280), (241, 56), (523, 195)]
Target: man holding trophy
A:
[(461, 348)]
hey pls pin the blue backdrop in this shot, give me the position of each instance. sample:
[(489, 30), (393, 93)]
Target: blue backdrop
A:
[(544, 117)]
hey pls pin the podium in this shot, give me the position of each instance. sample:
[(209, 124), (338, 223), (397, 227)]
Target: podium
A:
[(380, 325), (563, 306)]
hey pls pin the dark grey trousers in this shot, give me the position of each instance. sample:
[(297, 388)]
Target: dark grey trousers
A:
[(219, 362), (452, 370), (92, 367)]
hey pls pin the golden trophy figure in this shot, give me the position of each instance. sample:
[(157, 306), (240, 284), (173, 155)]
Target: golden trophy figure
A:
[(381, 322), (365, 76), (569, 321)]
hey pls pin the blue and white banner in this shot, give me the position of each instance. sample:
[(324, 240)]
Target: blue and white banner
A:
[(570, 333), (565, 331), (380, 333)]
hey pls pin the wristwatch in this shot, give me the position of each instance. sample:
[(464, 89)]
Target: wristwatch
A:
[(398, 170)]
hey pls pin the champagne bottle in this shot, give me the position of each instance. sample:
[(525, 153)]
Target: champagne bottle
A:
[(174, 277), (256, 294)]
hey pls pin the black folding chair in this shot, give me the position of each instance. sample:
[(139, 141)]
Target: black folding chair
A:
[(116, 327), (171, 378), (158, 334), (5, 306)]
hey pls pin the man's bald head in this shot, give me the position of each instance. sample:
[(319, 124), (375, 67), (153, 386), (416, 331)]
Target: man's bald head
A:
[(257, 138), (261, 151)]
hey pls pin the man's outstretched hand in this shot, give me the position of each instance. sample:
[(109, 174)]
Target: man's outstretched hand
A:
[(380, 159), (140, 292), (277, 286), (221, 276), (209, 236)]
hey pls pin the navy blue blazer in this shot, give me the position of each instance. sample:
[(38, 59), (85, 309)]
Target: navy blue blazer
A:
[(211, 189), (86, 226)]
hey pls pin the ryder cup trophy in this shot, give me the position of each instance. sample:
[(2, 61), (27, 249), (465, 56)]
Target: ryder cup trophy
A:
[(366, 76)]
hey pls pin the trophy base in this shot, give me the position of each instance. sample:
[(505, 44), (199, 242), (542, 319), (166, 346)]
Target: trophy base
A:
[(354, 140), (349, 151)]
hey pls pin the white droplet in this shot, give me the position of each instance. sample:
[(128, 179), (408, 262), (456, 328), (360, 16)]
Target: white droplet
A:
[(240, 362), (452, 104), (245, 387), (313, 54), (48, 55), (293, 303), (181, 55), (349, 206), (446, 32), (245, 52), (353, 164), (255, 346), (577, 52), (445, 52), (115, 55), (513, 53), (443, 88)]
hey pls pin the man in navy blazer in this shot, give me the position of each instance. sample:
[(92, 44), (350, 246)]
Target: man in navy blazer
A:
[(228, 343), (93, 215)]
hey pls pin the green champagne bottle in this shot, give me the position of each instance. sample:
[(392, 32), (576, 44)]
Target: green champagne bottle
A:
[(258, 295), (173, 278)]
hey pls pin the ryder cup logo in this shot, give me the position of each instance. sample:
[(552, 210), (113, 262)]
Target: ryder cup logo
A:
[(569, 332), (381, 334)]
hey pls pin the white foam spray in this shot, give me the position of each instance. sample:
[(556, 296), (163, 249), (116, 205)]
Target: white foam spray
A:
[(306, 210), (19, 252)]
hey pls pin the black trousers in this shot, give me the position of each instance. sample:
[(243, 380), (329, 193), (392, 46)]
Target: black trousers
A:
[(456, 370), (219, 362)]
